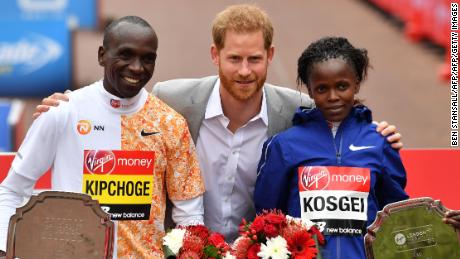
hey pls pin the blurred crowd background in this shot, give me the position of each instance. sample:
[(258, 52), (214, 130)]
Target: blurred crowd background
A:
[(49, 46)]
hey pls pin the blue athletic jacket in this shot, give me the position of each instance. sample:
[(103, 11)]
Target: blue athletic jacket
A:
[(310, 143)]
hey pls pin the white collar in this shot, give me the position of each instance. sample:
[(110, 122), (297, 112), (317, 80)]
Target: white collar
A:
[(334, 126), (214, 107), (122, 105)]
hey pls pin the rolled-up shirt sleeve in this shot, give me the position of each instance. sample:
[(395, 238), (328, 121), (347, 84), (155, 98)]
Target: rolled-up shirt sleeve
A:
[(184, 183), (188, 212)]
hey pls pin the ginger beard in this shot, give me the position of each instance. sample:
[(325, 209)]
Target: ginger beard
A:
[(242, 89)]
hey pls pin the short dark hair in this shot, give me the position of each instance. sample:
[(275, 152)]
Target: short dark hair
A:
[(129, 19), (328, 48)]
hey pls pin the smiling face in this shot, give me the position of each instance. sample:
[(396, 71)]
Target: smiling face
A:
[(243, 62), (128, 59), (332, 84)]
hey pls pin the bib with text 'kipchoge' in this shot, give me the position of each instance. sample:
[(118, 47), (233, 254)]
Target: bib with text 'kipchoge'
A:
[(121, 181)]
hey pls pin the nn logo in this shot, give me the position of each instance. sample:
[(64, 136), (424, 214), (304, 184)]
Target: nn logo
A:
[(84, 127)]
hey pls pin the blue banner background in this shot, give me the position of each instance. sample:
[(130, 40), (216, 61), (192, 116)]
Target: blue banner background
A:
[(35, 58), (5, 129), (84, 12)]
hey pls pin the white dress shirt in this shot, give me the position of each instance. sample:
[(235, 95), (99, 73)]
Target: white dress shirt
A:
[(228, 164)]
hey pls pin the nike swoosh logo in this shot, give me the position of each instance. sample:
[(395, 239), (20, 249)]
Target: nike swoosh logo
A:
[(357, 148), (145, 134)]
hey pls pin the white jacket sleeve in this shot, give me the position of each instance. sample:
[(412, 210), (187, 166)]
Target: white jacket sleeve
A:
[(188, 212), (34, 158), (13, 190)]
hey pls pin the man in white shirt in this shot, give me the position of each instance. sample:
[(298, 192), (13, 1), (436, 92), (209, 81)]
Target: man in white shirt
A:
[(230, 116)]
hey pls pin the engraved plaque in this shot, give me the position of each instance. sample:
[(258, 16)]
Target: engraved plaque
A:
[(412, 229), (60, 225)]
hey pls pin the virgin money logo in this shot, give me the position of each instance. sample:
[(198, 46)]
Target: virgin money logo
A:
[(100, 161), (314, 178), (29, 54)]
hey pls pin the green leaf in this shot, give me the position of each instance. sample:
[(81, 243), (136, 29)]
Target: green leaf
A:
[(318, 256), (168, 253), (211, 251)]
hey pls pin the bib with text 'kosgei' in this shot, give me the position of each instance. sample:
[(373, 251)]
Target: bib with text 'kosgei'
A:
[(335, 198), (121, 181)]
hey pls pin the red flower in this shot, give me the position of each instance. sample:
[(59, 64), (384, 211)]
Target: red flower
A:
[(243, 226), (253, 250), (258, 224), (242, 246), (216, 239), (302, 245), (200, 243), (189, 255), (193, 243), (271, 230), (301, 242), (199, 230), (319, 235), (275, 218)]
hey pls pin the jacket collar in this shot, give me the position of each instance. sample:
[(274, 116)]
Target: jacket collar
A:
[(198, 99), (279, 118), (303, 114)]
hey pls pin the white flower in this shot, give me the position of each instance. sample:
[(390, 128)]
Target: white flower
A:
[(174, 239), (235, 243), (229, 256), (306, 223), (275, 248)]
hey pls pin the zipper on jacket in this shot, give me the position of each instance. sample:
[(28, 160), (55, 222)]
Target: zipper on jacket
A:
[(338, 152)]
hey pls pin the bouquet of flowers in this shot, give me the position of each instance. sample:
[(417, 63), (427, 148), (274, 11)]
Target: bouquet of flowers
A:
[(276, 236), (195, 242)]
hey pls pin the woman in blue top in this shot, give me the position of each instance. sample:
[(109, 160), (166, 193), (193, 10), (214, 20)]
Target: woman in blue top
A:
[(332, 166)]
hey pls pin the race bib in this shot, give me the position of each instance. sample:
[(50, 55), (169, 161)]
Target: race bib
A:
[(335, 198), (121, 181)]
